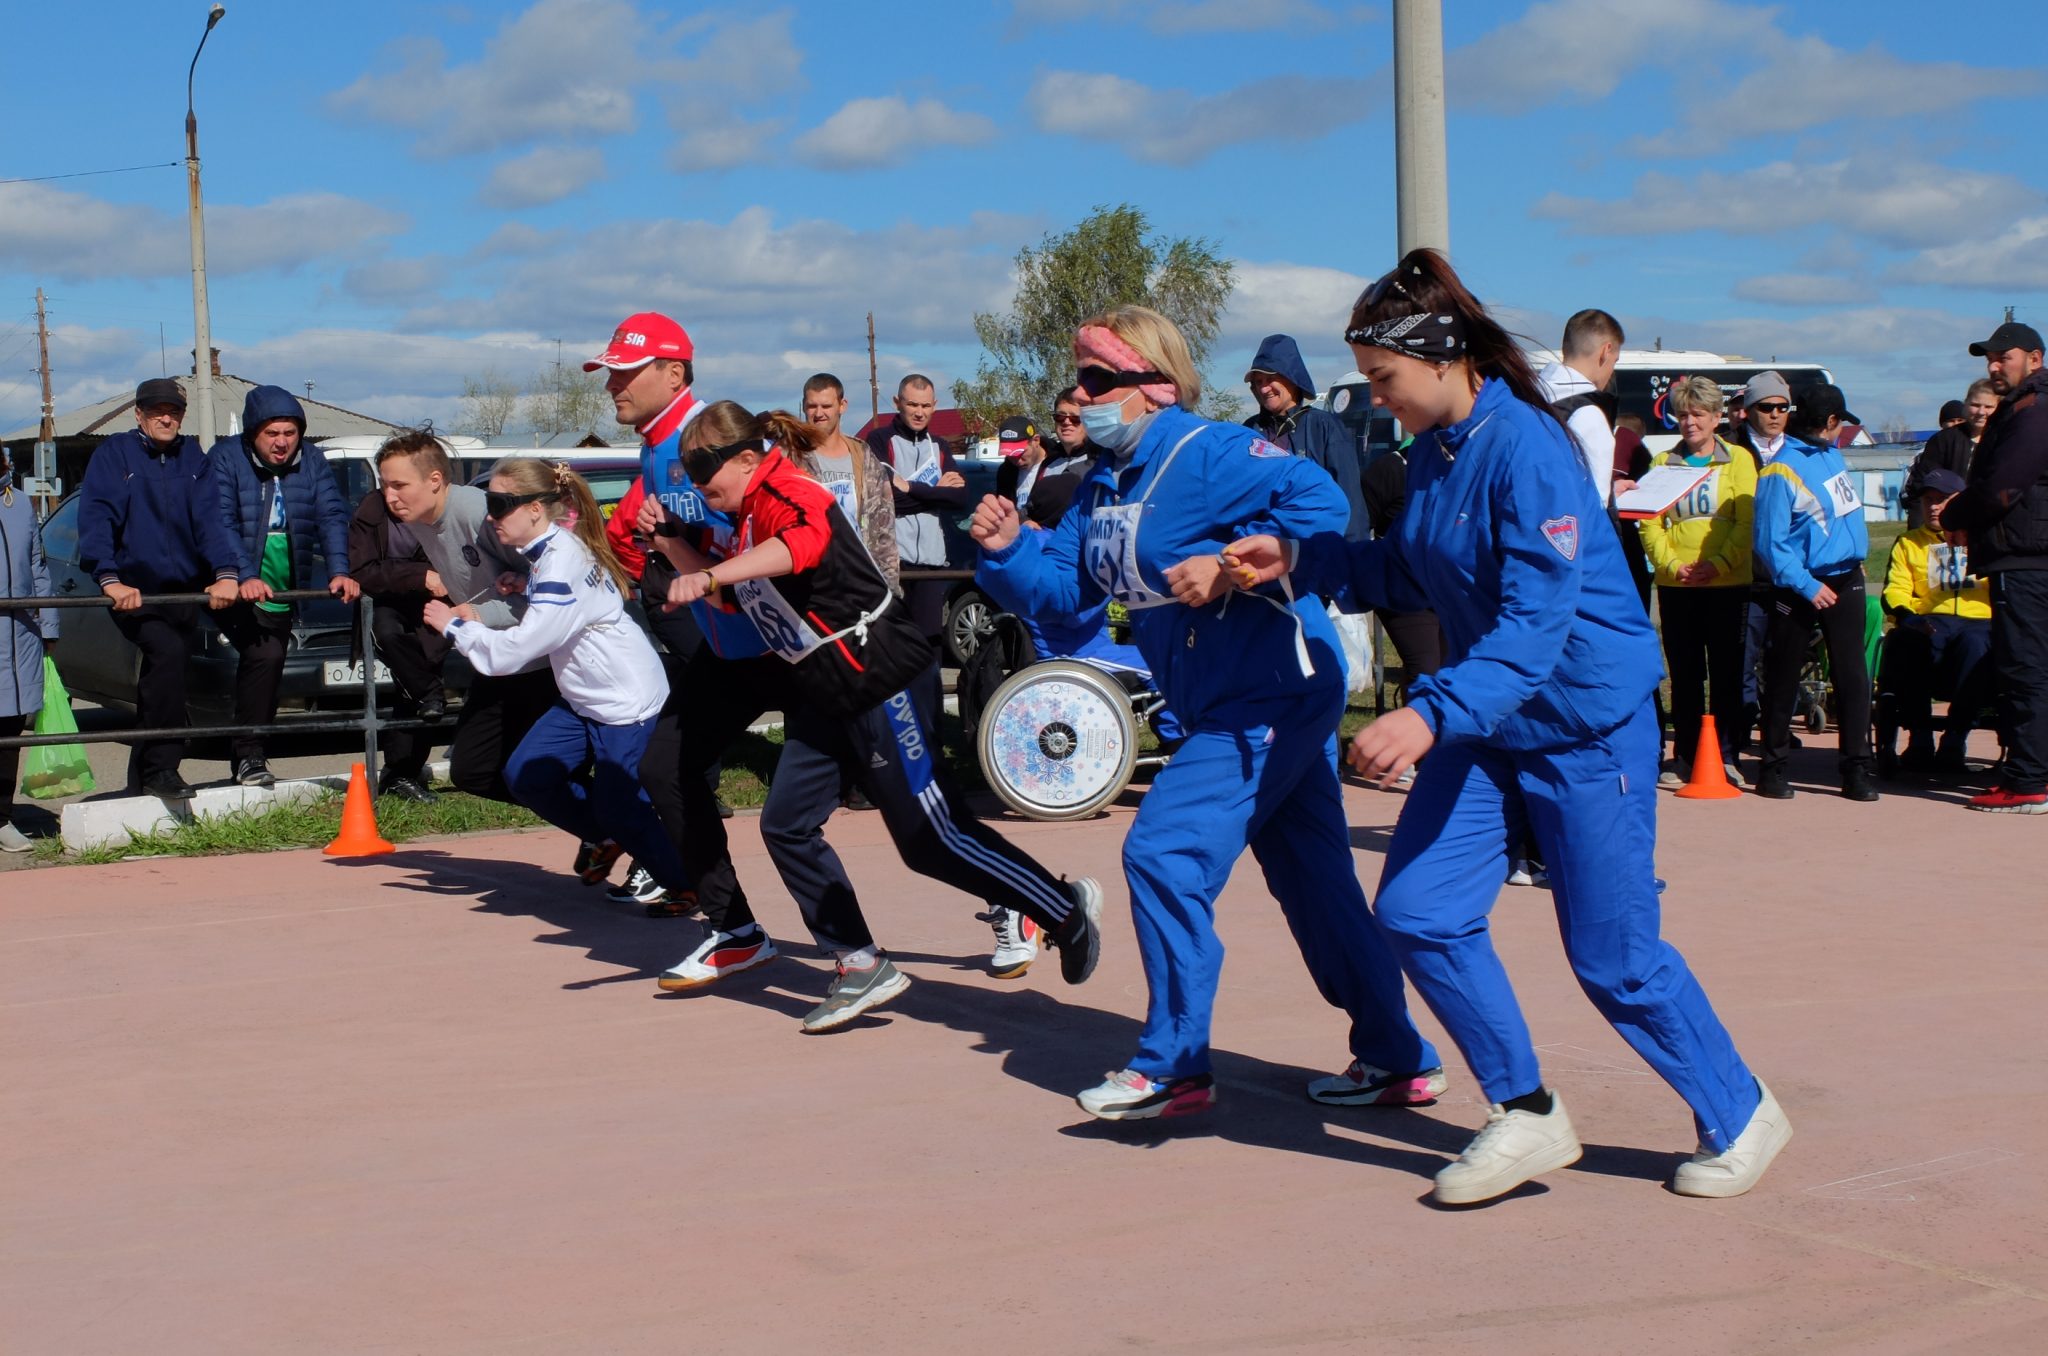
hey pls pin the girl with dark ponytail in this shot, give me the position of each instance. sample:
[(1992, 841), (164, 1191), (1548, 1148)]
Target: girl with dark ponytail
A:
[(1542, 720), (798, 570)]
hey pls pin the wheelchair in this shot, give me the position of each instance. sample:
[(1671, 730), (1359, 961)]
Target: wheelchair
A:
[(1059, 739)]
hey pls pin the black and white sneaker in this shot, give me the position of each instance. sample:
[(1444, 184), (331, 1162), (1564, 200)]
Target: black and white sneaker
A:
[(1080, 945), (639, 887), (254, 772)]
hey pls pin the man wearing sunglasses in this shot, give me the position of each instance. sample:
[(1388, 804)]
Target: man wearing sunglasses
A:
[(1765, 405)]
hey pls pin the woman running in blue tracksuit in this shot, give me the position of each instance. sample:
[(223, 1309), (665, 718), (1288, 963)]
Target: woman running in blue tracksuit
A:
[(1258, 684), (1541, 718)]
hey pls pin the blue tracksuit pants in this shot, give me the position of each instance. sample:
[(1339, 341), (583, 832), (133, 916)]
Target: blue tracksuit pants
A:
[(1593, 812), (542, 775), (1273, 788)]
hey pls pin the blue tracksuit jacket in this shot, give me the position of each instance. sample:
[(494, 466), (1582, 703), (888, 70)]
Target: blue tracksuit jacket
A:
[(729, 632), (1227, 482), (1809, 517), (1539, 657), (149, 517), (316, 516)]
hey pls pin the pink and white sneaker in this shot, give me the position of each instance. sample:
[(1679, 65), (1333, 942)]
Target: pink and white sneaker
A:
[(1364, 1085), (1128, 1095)]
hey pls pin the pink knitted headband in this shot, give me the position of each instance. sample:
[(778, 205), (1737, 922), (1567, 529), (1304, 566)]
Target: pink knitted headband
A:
[(1097, 344)]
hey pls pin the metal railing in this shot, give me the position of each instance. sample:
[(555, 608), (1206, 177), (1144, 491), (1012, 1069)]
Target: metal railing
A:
[(370, 722)]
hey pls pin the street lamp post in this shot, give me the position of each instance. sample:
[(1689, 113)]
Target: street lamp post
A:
[(1421, 174), (202, 330)]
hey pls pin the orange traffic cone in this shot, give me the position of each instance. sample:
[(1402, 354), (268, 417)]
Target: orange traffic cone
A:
[(1709, 780), (358, 836)]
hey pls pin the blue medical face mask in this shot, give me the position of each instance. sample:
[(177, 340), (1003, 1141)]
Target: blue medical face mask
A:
[(1107, 427)]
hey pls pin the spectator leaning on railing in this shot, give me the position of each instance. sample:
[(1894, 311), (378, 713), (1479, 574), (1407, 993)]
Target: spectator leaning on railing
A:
[(2004, 508), (283, 509), (23, 638), (148, 523)]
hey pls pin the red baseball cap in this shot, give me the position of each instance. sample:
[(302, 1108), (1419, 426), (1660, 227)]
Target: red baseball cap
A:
[(639, 340)]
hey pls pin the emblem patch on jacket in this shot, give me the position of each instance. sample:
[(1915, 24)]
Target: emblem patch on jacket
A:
[(1261, 448), (1563, 533)]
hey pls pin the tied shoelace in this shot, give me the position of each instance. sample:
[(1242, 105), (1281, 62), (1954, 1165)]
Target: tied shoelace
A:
[(1496, 1125)]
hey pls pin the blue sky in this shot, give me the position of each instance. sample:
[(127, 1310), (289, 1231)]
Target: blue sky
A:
[(402, 195)]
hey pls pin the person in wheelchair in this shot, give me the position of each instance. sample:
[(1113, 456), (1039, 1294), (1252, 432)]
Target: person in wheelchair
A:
[(1940, 640)]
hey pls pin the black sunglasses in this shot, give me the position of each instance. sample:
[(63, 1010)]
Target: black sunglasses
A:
[(497, 503), (702, 463), (1774, 407), (1100, 381)]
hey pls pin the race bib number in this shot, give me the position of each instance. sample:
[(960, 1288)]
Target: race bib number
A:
[(1843, 496), (1947, 567), (843, 494), (925, 475), (1110, 555), (1698, 502), (786, 633)]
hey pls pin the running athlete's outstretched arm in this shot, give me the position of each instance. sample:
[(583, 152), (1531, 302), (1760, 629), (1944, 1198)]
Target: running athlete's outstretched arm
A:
[(1537, 517), (1035, 573), (551, 618)]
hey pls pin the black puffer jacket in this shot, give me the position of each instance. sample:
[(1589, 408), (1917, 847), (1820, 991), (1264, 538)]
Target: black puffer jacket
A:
[(2004, 507)]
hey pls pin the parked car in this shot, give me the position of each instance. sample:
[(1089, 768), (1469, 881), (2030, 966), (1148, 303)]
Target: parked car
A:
[(970, 614)]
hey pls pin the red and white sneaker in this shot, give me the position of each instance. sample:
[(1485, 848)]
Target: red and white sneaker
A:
[(594, 861), (719, 955), (1016, 942), (1364, 1085), (1128, 1095), (2003, 800)]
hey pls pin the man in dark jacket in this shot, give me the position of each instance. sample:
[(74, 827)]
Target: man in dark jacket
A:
[(391, 566), (1280, 384), (2004, 508), (928, 488), (149, 523), (280, 504)]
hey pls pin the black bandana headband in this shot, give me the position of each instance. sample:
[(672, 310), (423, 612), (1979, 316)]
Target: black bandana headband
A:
[(1433, 338)]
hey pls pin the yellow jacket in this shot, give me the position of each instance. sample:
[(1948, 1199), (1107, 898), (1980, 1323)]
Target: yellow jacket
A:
[(1712, 523), (1926, 576)]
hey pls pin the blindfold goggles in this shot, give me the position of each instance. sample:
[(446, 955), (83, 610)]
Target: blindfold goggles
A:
[(702, 463)]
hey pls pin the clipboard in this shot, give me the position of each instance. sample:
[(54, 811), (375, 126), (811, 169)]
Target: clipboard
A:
[(1659, 489)]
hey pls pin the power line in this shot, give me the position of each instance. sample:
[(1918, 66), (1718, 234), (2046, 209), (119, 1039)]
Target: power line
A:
[(87, 174)]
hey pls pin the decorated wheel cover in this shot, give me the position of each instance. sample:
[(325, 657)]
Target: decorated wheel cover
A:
[(1058, 740)]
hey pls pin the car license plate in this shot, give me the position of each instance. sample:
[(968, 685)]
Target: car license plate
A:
[(339, 674)]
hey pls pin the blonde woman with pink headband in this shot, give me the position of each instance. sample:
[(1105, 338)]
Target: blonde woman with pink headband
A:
[(1257, 679)]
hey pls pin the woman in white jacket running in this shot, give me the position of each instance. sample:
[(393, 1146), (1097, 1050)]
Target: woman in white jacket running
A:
[(611, 681)]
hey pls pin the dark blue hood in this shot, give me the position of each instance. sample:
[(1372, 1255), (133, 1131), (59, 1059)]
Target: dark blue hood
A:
[(1279, 353), (259, 407)]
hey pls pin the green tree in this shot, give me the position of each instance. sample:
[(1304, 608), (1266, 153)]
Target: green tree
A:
[(562, 400), (1108, 260)]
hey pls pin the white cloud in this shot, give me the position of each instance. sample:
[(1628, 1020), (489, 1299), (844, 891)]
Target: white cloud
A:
[(1579, 51), (561, 68), (716, 138), (2014, 259), (1308, 301), (76, 236), (869, 133), (1174, 17), (1178, 128), (1803, 289), (543, 175), (1901, 203), (1810, 83), (395, 280)]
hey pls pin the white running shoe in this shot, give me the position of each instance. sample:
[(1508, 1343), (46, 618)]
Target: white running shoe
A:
[(719, 955), (1128, 1095), (1737, 1170), (1016, 942), (1364, 1085), (1525, 872), (1514, 1147)]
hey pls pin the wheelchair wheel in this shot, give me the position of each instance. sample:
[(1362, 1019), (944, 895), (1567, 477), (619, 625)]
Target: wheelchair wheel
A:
[(1058, 740)]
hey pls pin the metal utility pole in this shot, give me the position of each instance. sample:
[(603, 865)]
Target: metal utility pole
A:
[(874, 379), (1421, 170), (43, 466), (202, 327)]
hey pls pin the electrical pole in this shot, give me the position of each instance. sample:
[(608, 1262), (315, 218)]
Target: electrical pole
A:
[(1421, 170), (43, 467), (874, 380), (202, 323)]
